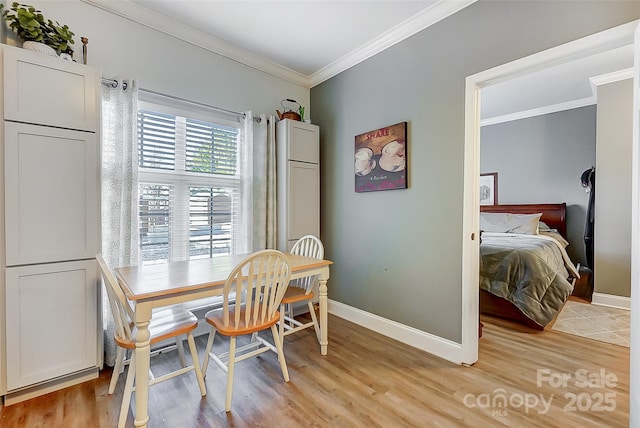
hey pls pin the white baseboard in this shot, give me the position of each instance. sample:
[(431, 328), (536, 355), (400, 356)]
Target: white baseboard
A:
[(611, 300), (427, 342)]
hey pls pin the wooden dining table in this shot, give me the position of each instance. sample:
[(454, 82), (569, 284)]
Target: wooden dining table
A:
[(152, 286)]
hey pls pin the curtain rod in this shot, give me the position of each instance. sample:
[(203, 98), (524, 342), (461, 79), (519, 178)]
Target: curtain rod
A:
[(114, 84)]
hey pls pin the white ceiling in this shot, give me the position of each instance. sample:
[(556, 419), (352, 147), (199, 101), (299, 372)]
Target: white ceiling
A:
[(304, 36), (302, 41), (562, 87), (309, 41)]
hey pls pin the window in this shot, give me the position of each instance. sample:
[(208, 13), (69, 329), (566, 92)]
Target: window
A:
[(189, 185)]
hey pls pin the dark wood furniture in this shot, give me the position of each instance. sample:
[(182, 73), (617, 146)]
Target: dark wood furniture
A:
[(554, 215), (583, 288)]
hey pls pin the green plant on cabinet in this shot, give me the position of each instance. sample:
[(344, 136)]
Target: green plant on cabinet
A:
[(29, 24)]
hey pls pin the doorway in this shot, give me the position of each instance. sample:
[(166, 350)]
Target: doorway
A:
[(620, 36)]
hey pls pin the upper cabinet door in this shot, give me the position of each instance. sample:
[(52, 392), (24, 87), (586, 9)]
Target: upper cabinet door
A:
[(51, 194), (302, 139), (49, 91)]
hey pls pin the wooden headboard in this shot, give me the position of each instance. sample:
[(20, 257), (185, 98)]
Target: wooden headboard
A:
[(554, 215)]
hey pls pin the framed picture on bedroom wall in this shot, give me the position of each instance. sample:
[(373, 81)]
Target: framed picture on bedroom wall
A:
[(489, 188), (380, 159)]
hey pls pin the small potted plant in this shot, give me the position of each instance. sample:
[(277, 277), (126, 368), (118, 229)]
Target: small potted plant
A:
[(38, 34), (59, 37)]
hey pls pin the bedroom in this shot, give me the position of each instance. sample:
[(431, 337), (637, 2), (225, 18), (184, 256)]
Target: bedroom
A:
[(419, 80), (542, 144)]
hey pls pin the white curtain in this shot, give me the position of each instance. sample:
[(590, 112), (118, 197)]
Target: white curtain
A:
[(119, 187), (257, 162)]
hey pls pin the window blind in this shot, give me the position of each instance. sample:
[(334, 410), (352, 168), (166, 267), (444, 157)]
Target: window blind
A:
[(189, 186), (155, 222), (211, 148), (156, 140), (210, 225)]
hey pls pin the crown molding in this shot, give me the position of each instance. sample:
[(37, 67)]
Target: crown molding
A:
[(612, 77), (539, 111), (429, 16), (163, 24)]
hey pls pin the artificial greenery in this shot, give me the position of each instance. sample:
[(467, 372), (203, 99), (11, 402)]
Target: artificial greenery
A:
[(59, 37), (30, 25)]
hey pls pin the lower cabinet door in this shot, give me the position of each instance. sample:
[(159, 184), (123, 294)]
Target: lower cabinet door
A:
[(51, 321)]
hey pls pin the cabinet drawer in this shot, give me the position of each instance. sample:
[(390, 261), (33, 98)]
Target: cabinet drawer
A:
[(49, 91), (51, 194), (51, 321)]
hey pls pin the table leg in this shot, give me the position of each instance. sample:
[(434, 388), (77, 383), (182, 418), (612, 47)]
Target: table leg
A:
[(324, 341), (143, 348)]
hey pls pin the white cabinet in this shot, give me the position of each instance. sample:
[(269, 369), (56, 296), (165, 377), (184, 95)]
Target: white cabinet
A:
[(298, 172), (303, 211), (51, 178), (49, 91), (51, 321), (50, 331)]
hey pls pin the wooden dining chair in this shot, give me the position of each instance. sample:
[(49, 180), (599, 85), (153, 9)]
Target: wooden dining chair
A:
[(261, 279), (165, 324), (300, 290)]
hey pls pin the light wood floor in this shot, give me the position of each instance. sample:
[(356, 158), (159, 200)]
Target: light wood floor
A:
[(368, 380)]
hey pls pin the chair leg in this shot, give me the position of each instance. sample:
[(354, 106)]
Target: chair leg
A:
[(282, 309), (290, 312), (180, 347), (117, 368), (196, 363), (278, 342), (314, 318), (128, 390), (205, 363), (231, 367)]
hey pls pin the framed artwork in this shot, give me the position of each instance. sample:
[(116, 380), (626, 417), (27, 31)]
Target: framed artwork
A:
[(489, 188), (380, 159)]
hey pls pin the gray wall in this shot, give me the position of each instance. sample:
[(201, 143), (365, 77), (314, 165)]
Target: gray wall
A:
[(398, 253), (612, 239), (540, 160)]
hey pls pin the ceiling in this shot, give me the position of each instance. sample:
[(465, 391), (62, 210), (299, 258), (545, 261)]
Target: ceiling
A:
[(309, 41), (302, 41), (286, 32), (561, 87)]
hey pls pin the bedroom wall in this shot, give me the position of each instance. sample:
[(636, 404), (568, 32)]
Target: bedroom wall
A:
[(540, 160), (398, 253), (165, 64), (612, 238)]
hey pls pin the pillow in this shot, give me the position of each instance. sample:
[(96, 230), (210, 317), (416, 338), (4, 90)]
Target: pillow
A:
[(524, 224), (544, 227)]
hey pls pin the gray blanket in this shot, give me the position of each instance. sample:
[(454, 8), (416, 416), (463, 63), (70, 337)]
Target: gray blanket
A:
[(530, 271)]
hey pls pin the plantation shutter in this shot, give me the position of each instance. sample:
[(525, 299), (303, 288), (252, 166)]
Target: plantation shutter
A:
[(211, 148), (189, 184), (156, 140)]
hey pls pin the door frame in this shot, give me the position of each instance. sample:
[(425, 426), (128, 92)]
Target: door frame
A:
[(623, 35)]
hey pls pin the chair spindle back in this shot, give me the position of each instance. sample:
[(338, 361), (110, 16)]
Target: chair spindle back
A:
[(262, 279)]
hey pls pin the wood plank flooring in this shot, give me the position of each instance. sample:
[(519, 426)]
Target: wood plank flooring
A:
[(369, 380)]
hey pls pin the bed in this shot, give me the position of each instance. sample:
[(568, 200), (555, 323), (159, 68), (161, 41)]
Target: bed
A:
[(525, 275)]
